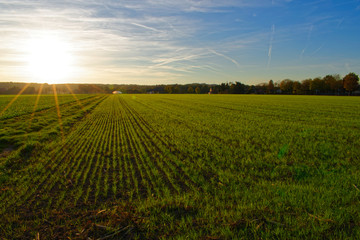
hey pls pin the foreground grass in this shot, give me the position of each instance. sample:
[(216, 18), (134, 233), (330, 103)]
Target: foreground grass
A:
[(185, 166)]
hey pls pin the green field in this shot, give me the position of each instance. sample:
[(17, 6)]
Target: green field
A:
[(179, 166)]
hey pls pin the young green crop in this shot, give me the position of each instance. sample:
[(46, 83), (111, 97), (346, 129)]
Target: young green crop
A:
[(25, 104), (185, 166)]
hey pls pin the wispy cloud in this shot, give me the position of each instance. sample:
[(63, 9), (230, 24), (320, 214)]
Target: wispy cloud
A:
[(226, 57), (318, 49), (271, 44), (146, 27), (307, 41)]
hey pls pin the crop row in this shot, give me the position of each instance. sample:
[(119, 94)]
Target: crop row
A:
[(34, 134), (14, 106), (112, 154)]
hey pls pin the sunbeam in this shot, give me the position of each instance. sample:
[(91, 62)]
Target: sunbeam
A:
[(58, 112), (74, 96), (35, 105)]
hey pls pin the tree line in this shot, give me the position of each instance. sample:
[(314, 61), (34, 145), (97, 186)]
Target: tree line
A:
[(328, 85)]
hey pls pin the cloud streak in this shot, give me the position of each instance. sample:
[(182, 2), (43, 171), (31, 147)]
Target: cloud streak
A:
[(307, 41), (226, 57), (271, 45), (146, 27)]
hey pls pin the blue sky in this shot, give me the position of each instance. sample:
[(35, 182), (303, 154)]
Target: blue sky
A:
[(172, 41)]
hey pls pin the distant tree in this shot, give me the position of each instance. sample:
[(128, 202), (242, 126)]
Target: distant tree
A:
[(286, 86), (351, 82), (47, 89), (338, 86), (261, 88), (159, 89), (330, 83), (270, 87), (216, 89), (30, 90), (204, 88), (236, 88), (296, 87), (250, 89), (197, 90), (190, 89), (169, 89), (224, 88), (107, 88), (317, 85), (305, 85), (176, 89), (231, 88), (13, 90)]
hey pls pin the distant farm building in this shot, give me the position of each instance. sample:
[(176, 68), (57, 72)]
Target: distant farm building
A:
[(117, 92)]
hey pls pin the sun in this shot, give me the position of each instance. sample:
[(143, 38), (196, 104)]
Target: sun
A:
[(49, 59)]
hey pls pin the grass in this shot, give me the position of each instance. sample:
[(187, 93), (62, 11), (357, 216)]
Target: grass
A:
[(183, 166)]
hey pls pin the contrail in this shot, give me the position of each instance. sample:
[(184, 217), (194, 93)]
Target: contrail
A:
[(318, 49), (174, 59), (146, 27), (270, 44), (302, 53), (224, 56), (307, 41)]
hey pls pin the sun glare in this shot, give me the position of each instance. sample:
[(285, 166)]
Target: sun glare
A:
[(49, 60)]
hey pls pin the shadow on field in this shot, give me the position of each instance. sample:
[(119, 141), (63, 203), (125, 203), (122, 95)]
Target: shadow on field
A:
[(179, 212), (115, 222)]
